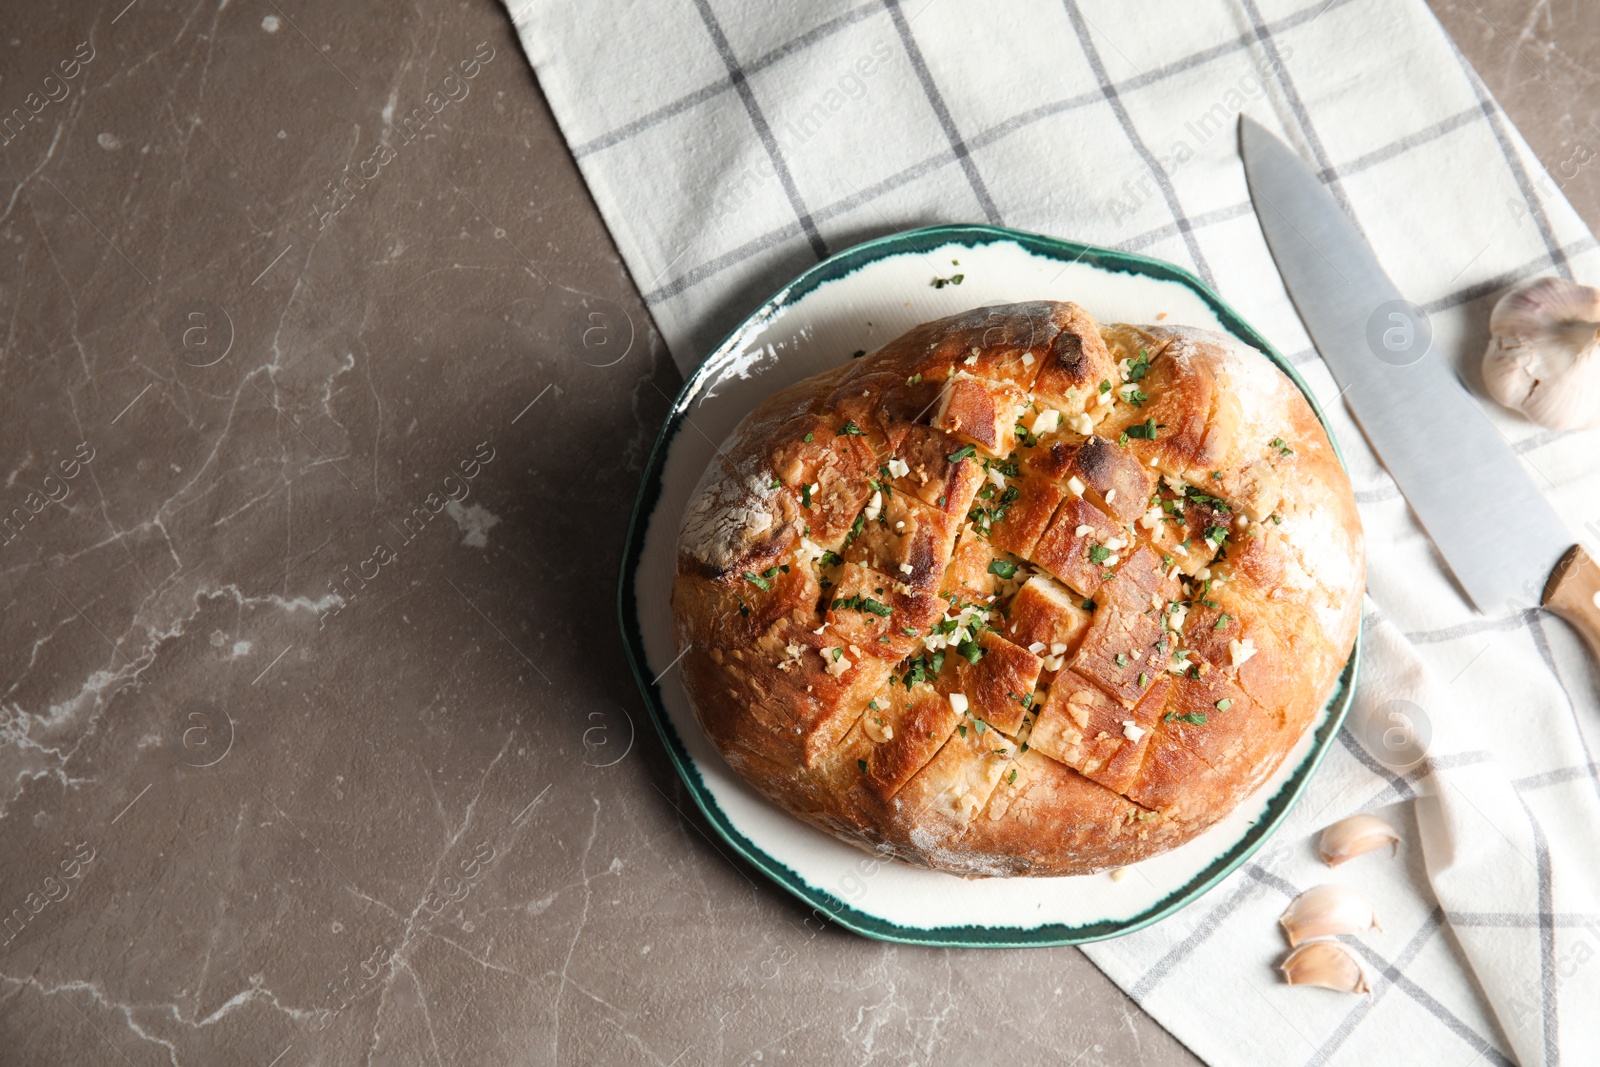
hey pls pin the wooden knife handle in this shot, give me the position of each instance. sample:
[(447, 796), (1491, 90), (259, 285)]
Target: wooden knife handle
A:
[(1573, 592)]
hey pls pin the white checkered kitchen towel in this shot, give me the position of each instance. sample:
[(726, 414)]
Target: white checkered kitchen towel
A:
[(697, 125)]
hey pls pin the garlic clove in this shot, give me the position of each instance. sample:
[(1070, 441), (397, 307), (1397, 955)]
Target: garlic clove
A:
[(1326, 910), (1355, 836), (1544, 353), (1327, 964)]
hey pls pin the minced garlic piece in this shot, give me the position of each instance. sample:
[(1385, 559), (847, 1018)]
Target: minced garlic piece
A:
[(1241, 651), (1048, 421), (875, 505), (961, 631)]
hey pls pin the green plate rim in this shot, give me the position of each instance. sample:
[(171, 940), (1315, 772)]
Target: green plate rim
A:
[(825, 905)]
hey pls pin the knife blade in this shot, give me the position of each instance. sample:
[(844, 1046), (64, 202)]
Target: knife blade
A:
[(1504, 543)]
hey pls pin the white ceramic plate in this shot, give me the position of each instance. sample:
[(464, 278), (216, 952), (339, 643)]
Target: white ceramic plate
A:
[(856, 301)]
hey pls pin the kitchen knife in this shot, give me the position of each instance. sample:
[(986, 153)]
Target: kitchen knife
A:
[(1504, 543)]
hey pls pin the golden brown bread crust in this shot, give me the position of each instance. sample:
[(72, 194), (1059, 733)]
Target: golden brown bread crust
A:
[(922, 612)]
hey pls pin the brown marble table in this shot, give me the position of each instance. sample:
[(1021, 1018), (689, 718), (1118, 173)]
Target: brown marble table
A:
[(317, 744)]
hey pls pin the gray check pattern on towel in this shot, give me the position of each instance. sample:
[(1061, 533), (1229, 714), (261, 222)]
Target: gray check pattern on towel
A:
[(730, 146)]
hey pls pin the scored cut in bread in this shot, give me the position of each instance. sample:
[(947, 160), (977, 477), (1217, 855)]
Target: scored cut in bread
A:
[(1019, 594)]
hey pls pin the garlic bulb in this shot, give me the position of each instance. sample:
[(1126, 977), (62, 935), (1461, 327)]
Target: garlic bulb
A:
[(1352, 837), (1327, 910), (1328, 964), (1544, 353)]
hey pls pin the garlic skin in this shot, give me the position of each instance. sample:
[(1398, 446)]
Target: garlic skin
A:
[(1544, 353), (1355, 836), (1327, 910), (1327, 964)]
